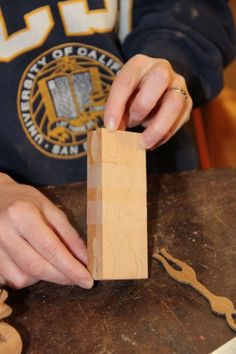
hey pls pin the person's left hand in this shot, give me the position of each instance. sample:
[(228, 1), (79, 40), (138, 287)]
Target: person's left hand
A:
[(148, 92)]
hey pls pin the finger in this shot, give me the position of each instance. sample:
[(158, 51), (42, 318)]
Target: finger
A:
[(181, 120), (58, 221), (30, 262), (42, 238), (172, 105), (122, 88), (184, 117), (151, 88), (11, 275), (185, 114), (67, 233)]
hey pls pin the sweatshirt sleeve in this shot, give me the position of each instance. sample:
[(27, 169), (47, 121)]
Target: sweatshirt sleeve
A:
[(197, 37)]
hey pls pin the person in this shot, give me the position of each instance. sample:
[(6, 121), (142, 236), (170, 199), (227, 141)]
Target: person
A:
[(61, 67)]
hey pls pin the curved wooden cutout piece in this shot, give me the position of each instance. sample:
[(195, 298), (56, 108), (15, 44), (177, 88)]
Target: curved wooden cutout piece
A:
[(3, 295), (5, 310), (186, 275), (10, 340)]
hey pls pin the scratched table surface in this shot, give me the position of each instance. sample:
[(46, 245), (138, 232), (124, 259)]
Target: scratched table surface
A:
[(192, 215)]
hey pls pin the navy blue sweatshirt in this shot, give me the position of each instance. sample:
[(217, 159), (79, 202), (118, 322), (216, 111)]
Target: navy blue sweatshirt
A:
[(58, 60)]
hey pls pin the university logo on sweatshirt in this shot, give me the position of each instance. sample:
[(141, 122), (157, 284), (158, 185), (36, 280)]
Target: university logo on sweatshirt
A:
[(62, 92), (62, 95)]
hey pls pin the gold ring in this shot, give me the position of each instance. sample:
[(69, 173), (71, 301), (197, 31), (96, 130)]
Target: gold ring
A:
[(180, 90)]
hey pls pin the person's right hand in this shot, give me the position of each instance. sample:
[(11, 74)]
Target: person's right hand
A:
[(37, 242)]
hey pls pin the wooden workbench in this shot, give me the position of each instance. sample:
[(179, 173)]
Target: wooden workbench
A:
[(193, 215)]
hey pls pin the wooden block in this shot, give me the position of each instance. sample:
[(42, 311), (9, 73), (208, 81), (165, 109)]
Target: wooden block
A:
[(117, 206)]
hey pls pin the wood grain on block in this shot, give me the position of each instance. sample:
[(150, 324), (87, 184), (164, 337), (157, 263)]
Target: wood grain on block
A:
[(117, 207)]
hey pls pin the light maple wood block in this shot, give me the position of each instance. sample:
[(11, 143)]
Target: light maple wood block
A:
[(116, 206)]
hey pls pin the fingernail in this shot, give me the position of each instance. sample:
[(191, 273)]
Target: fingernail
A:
[(86, 283), (111, 124), (134, 117), (142, 144), (132, 124), (145, 142)]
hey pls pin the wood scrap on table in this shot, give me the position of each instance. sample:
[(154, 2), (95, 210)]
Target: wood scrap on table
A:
[(220, 305), (227, 348), (10, 340)]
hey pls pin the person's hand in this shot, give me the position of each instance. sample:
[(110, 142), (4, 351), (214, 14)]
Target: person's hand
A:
[(37, 242), (148, 92)]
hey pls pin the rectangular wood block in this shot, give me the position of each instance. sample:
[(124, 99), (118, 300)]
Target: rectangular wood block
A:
[(116, 206)]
